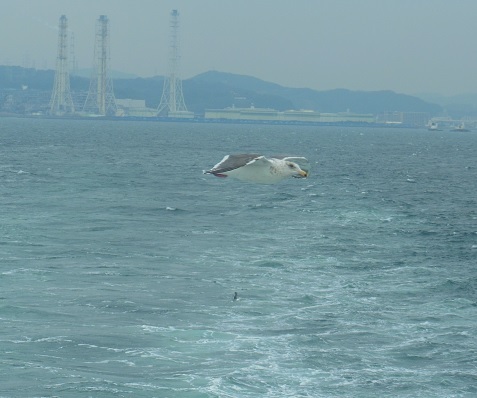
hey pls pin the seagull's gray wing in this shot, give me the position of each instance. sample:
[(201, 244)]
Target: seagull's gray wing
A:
[(232, 162)]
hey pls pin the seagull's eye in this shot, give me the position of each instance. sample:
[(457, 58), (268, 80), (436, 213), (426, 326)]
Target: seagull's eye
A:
[(291, 166)]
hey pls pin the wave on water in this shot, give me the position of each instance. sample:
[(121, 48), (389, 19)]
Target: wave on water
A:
[(118, 274)]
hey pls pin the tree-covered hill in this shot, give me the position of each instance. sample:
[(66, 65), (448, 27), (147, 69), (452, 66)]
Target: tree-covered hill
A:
[(220, 90)]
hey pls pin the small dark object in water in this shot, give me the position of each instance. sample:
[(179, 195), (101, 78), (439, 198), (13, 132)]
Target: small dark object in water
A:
[(235, 296)]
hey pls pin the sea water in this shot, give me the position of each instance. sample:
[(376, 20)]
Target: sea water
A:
[(119, 261)]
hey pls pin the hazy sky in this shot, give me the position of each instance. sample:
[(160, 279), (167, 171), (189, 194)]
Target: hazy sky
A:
[(409, 46)]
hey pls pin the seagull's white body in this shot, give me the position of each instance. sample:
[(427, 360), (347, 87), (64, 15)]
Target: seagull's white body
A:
[(259, 169)]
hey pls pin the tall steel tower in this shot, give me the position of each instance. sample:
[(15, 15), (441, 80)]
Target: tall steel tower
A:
[(100, 99), (73, 61), (172, 101), (61, 101)]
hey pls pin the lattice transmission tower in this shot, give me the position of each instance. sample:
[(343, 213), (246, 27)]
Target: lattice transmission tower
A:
[(73, 61), (172, 101), (100, 99), (61, 101)]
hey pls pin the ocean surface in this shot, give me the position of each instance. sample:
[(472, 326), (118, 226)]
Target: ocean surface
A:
[(119, 261)]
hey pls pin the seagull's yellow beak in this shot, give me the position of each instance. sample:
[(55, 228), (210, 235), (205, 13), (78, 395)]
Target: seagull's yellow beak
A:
[(303, 173)]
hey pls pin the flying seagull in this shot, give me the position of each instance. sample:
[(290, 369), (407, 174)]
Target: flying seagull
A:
[(259, 169)]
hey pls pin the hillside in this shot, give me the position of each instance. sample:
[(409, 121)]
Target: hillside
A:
[(459, 106), (338, 100), (220, 90)]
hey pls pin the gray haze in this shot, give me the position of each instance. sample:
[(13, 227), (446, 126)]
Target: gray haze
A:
[(409, 46)]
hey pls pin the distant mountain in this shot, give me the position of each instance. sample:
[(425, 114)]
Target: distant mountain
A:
[(444, 100), (458, 106), (220, 90), (16, 77), (115, 74), (338, 100)]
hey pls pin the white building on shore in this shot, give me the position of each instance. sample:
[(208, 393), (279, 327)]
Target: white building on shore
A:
[(270, 115)]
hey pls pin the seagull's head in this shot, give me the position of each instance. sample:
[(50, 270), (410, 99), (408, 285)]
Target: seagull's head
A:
[(295, 171)]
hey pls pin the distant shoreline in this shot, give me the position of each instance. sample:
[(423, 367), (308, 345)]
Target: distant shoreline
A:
[(212, 121)]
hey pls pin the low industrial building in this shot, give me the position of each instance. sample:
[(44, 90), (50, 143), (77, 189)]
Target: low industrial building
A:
[(412, 119), (292, 116), (134, 107)]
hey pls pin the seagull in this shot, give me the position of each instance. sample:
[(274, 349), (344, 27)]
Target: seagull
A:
[(258, 169)]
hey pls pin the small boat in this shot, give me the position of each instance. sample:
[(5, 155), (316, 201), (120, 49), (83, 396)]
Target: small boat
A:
[(460, 127), (433, 126)]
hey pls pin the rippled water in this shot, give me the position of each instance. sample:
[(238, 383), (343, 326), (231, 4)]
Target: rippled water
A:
[(119, 260)]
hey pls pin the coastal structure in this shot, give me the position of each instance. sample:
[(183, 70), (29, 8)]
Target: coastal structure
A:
[(134, 108), (415, 119), (172, 102), (291, 116), (100, 99), (61, 102)]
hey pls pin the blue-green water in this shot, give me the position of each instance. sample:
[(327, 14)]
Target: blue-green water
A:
[(119, 260)]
